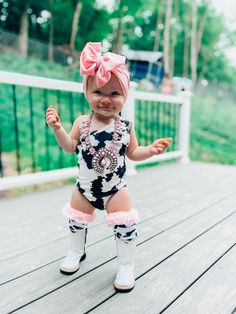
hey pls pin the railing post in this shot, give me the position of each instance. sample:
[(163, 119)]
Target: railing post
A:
[(128, 113), (184, 127), (1, 163)]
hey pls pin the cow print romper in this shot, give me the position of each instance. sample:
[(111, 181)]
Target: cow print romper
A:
[(96, 187)]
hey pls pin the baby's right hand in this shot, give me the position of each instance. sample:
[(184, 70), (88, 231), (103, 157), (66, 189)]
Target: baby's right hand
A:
[(53, 119)]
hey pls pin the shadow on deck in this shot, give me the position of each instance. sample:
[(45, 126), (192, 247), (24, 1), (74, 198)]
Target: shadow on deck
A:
[(185, 258)]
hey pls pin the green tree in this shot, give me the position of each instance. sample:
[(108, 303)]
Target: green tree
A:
[(138, 24), (24, 30), (125, 9)]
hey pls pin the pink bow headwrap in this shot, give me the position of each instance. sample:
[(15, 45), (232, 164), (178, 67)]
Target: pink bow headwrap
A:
[(92, 63)]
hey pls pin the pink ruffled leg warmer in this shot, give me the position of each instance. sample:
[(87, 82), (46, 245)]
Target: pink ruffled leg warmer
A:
[(124, 224), (77, 219)]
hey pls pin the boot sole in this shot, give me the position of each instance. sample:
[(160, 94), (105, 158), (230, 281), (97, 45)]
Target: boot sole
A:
[(123, 290), (64, 272)]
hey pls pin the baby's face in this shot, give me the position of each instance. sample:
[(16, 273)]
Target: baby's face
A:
[(106, 101)]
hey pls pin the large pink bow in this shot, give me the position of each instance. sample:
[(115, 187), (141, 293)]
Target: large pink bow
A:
[(92, 63)]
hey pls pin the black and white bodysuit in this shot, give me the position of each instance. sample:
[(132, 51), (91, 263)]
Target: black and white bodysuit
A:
[(96, 187)]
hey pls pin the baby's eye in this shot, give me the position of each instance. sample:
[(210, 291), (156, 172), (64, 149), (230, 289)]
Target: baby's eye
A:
[(115, 93), (98, 92)]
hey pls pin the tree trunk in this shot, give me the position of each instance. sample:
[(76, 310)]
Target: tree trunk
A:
[(186, 53), (167, 36), (174, 39), (199, 44), (200, 31), (23, 34), (74, 28), (117, 45), (196, 39), (50, 33), (194, 43), (158, 22), (206, 56), (156, 39), (186, 43)]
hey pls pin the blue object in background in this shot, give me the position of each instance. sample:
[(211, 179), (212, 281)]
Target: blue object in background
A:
[(139, 71)]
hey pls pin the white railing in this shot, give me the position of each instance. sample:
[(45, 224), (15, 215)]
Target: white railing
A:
[(182, 100), (182, 152)]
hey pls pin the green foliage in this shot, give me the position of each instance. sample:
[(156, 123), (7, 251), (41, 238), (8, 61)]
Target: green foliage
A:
[(213, 126), (93, 26), (96, 23), (33, 66), (220, 70), (63, 14), (145, 23)]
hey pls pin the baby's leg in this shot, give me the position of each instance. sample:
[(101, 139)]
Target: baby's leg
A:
[(79, 202), (121, 215), (123, 219), (120, 201), (80, 212)]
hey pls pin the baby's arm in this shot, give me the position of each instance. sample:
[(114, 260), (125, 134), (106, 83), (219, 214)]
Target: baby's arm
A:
[(138, 153), (68, 142)]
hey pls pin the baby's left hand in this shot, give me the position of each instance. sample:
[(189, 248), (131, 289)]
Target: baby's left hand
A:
[(159, 146)]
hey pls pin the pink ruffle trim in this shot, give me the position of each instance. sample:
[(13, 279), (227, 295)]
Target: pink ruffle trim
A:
[(123, 218), (77, 215)]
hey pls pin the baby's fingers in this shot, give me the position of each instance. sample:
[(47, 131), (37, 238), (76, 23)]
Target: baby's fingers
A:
[(169, 140), (166, 142), (51, 121), (53, 115), (51, 110), (157, 149)]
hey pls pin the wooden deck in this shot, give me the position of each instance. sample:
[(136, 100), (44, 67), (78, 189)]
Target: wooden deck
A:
[(185, 259)]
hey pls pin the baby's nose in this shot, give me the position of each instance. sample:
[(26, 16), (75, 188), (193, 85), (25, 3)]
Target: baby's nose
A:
[(105, 100)]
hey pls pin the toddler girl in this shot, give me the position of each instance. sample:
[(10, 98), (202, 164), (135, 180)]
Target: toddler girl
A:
[(102, 140)]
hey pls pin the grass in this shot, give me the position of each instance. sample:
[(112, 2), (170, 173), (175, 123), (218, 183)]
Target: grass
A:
[(213, 128), (14, 63)]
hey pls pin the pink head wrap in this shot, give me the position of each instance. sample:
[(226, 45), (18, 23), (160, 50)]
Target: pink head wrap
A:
[(92, 63)]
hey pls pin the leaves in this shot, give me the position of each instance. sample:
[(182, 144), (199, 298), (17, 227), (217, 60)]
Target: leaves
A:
[(137, 24)]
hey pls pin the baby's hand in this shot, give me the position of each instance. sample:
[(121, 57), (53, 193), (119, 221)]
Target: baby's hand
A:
[(159, 146), (53, 119)]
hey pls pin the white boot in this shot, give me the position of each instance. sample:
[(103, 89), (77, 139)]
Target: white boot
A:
[(125, 280), (75, 254)]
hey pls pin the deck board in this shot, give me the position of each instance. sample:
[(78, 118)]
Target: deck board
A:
[(175, 274), (185, 211), (165, 217), (216, 290), (160, 245)]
